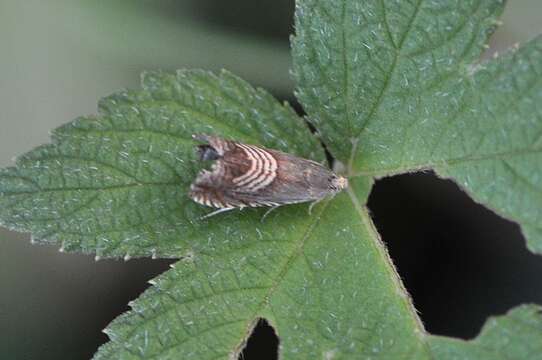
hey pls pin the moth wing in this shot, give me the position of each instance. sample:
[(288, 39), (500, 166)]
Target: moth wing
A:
[(249, 175), (298, 180), (237, 177), (283, 179), (210, 187)]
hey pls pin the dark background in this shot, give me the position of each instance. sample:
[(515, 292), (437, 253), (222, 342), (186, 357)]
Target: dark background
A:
[(460, 262)]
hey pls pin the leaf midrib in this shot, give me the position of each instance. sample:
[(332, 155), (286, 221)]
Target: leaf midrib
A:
[(87, 188), (281, 275), (390, 73)]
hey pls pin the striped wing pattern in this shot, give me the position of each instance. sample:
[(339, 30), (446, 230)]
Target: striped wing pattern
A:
[(262, 171), (236, 177)]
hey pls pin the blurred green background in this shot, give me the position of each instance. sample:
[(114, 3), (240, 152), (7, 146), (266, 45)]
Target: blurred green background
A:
[(57, 58)]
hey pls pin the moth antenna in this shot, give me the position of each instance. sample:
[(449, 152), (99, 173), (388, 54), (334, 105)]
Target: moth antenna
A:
[(215, 213), (267, 212), (200, 137), (312, 205)]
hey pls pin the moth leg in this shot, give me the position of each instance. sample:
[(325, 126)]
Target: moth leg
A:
[(267, 212), (216, 212), (312, 205)]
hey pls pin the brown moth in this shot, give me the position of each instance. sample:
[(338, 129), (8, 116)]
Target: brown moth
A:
[(251, 176)]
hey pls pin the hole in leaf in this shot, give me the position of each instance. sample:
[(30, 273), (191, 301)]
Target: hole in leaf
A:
[(459, 260), (262, 344)]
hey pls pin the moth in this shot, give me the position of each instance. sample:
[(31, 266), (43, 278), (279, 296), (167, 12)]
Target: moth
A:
[(244, 175)]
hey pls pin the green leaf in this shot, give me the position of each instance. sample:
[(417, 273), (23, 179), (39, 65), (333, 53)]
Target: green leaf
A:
[(307, 275), (402, 82), (374, 72), (116, 184), (513, 336), (493, 149)]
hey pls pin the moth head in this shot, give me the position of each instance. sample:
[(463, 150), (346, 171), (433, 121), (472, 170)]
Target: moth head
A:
[(338, 183), (214, 147), (207, 152)]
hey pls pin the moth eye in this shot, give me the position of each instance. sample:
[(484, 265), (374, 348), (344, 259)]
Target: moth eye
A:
[(206, 153)]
